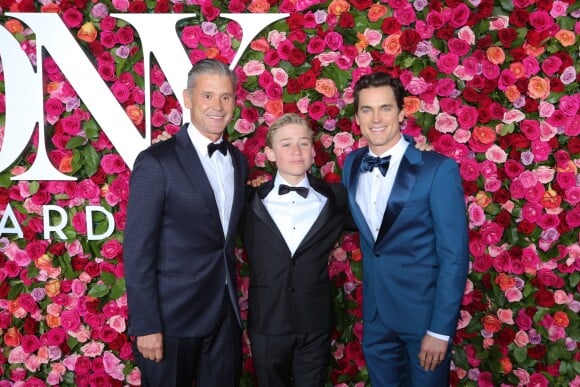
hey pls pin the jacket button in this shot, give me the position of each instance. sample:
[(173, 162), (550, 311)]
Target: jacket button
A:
[(290, 290), (377, 255)]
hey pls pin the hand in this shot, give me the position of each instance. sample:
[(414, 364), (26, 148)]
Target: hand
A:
[(423, 146), (162, 137), (432, 353), (151, 346), (258, 181)]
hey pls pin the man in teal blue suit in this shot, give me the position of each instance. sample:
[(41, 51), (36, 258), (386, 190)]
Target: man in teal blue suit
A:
[(410, 211)]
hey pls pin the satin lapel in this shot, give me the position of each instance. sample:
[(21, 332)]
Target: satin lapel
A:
[(239, 192), (192, 165), (325, 213), (258, 209), (402, 187), (357, 214)]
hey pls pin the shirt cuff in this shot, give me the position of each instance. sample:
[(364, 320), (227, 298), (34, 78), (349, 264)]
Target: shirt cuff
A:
[(438, 336)]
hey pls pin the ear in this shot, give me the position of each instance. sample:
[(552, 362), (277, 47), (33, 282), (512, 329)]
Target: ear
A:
[(270, 154), (401, 115), (313, 153), (187, 99), (356, 119)]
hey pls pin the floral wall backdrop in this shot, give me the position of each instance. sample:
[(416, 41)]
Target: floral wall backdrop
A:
[(493, 85)]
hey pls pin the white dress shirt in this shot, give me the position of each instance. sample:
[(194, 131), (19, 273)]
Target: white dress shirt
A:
[(373, 189), (373, 192), (220, 172), (293, 214)]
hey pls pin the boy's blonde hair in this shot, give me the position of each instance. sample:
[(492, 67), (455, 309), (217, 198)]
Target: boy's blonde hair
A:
[(283, 120)]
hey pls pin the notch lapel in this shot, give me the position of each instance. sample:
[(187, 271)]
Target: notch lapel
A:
[(363, 227)]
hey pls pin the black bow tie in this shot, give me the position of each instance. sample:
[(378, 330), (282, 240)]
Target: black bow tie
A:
[(284, 189), (212, 147), (369, 162)]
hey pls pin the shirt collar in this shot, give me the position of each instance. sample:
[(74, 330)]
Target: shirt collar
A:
[(200, 142), (280, 180)]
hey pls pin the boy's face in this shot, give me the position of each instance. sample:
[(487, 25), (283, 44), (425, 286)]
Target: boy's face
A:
[(292, 151), (379, 118)]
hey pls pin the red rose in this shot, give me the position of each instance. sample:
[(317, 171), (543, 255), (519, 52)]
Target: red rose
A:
[(429, 74), (162, 6), (361, 4), (344, 124), (471, 95), (507, 36), (445, 33), (409, 40), (137, 6), (506, 336), (544, 298), (537, 352), (526, 227), (390, 26), (519, 17), (518, 53), (297, 57), (484, 42), (346, 21), (295, 21), (556, 85)]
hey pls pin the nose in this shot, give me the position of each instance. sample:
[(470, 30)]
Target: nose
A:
[(294, 149)]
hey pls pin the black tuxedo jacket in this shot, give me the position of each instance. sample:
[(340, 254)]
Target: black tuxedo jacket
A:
[(176, 257), (291, 294)]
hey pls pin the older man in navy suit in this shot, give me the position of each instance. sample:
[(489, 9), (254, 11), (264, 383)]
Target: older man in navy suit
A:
[(409, 208), (186, 197)]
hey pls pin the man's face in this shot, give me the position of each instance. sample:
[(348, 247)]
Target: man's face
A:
[(379, 118), (292, 151), (211, 104)]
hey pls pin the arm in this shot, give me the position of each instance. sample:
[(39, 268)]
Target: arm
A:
[(140, 250), (450, 227)]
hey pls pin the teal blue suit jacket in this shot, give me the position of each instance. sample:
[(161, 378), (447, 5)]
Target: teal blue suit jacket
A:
[(415, 273)]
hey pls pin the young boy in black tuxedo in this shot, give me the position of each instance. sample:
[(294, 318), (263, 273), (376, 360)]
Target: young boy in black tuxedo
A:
[(289, 228)]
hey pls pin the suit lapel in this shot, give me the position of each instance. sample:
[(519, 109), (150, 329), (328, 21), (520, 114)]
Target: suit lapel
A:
[(357, 214), (402, 187), (239, 191), (328, 209)]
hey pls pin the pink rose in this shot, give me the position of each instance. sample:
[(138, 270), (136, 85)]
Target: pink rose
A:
[(513, 295), (343, 140), (333, 40), (92, 349), (476, 215), (521, 339), (469, 170), (30, 343), (70, 320), (253, 68), (538, 380), (447, 63), (496, 154), (551, 65), (56, 336), (541, 150), (243, 126), (541, 20), (466, 116), (491, 233), (72, 17), (490, 70), (406, 15), (316, 110), (569, 105), (572, 195), (111, 249)]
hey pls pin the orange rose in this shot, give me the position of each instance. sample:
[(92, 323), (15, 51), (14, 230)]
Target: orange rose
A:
[(52, 288), (495, 55), (566, 38), (533, 51), (13, 306), (506, 365), (65, 164), (87, 32), (570, 167), (135, 113), (275, 107), (484, 134), (482, 199), (411, 105), (14, 26), (338, 7), (52, 321), (505, 282), (259, 6), (362, 43), (212, 52), (260, 45), (356, 255), (538, 88), (326, 87), (391, 45), (512, 93), (50, 8), (518, 69), (561, 319), (551, 199), (491, 324), (12, 337), (43, 262), (52, 87), (376, 12)]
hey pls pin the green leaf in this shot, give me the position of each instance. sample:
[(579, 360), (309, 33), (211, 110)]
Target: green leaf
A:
[(118, 289), (91, 159), (16, 288), (98, 291), (33, 187), (75, 142), (520, 354)]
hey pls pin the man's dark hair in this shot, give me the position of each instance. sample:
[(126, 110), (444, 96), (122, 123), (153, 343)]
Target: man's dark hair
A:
[(379, 79)]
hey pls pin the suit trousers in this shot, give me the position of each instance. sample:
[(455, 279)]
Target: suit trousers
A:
[(299, 360), (392, 358), (210, 361)]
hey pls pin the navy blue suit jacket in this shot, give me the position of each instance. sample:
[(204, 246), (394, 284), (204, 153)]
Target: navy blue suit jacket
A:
[(176, 257), (414, 274)]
